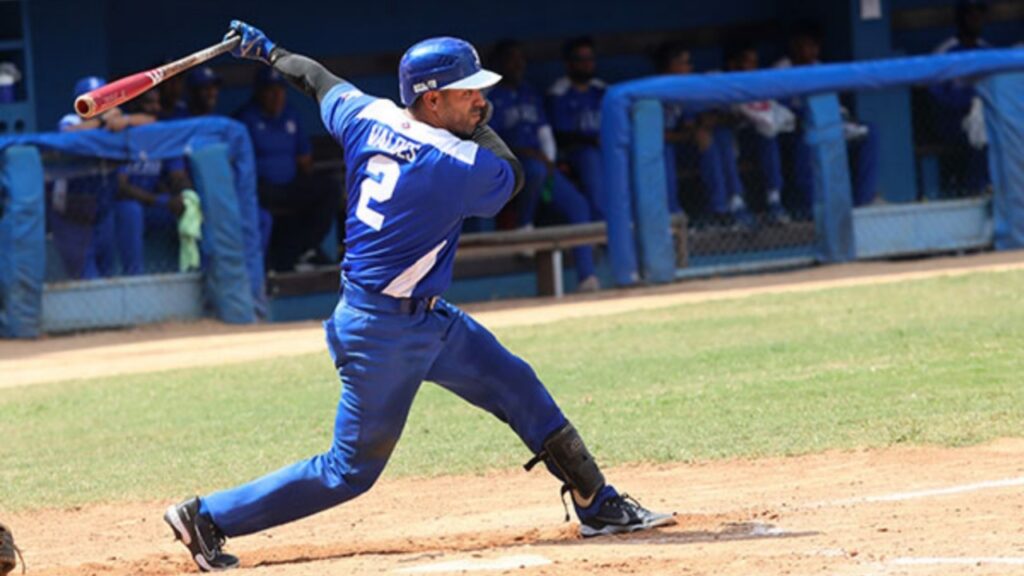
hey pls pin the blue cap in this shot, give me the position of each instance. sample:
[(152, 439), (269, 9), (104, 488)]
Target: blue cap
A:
[(442, 63), (202, 76), (88, 84), (268, 76)]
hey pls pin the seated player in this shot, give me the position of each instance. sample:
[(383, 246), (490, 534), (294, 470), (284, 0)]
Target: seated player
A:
[(82, 209), (298, 207), (519, 119), (701, 139), (862, 139), (967, 169), (172, 95), (203, 91), (760, 123), (574, 107), (149, 194)]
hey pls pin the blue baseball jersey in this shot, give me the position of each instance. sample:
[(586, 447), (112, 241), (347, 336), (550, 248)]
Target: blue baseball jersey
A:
[(147, 173), (410, 185), (275, 141), (572, 110), (957, 93), (518, 115)]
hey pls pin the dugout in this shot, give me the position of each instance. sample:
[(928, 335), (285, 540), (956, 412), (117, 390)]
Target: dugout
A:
[(220, 159), (47, 36), (632, 144)]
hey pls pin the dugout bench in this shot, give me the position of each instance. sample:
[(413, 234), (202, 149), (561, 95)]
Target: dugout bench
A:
[(493, 252)]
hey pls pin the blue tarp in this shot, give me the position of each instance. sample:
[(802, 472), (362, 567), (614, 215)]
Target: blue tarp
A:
[(715, 89), (225, 261), (174, 139), (22, 242), (1004, 123)]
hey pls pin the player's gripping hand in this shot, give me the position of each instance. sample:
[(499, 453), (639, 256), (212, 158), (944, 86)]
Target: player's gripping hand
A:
[(254, 45)]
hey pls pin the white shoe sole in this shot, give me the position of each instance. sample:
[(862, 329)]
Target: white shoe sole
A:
[(171, 517), (589, 532)]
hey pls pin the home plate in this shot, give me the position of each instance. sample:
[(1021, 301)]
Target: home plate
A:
[(504, 563)]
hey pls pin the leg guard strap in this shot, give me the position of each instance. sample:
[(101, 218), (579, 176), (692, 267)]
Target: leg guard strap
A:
[(565, 450)]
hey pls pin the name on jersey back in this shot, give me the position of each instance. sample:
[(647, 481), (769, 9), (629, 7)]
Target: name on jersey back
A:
[(384, 139)]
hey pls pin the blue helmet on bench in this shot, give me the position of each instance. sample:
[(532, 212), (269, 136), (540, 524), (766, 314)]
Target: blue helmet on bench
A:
[(442, 63), (88, 84)]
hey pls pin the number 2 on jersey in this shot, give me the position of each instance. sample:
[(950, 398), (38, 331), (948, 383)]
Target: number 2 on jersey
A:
[(381, 177)]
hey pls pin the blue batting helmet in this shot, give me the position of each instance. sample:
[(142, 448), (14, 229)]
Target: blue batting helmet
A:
[(442, 63), (88, 84)]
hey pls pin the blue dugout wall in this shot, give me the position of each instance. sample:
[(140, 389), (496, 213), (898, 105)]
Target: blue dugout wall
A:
[(632, 139), (222, 166)]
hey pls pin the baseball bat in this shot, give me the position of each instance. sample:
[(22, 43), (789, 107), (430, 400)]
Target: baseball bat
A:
[(106, 97)]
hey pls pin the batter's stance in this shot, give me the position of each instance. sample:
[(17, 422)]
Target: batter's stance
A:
[(413, 175)]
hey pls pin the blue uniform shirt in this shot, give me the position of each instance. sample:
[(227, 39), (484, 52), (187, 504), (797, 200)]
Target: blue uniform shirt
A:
[(275, 141), (518, 115), (958, 93), (147, 173), (574, 111), (410, 185), (144, 173)]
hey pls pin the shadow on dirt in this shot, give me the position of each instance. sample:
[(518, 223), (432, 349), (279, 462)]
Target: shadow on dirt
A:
[(566, 536)]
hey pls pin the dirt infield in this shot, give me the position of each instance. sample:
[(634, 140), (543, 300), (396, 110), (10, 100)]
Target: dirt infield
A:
[(904, 510), (914, 511), (167, 347)]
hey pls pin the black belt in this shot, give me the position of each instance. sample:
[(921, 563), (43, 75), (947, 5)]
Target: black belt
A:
[(366, 300)]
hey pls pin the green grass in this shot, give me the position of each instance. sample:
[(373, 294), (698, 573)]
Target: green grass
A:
[(937, 361)]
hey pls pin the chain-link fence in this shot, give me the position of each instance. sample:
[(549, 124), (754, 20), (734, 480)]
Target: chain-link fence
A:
[(112, 247), (107, 219), (106, 229), (744, 176), (950, 142), (740, 198)]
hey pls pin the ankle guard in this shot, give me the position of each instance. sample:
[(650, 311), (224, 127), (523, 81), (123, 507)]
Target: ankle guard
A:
[(565, 450)]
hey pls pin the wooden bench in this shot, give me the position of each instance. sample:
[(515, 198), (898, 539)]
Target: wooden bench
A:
[(547, 245)]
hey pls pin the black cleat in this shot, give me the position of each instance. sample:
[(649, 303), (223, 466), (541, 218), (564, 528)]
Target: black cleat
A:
[(200, 535), (621, 514)]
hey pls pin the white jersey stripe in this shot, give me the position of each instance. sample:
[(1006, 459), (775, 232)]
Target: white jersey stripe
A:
[(403, 284), (398, 120)]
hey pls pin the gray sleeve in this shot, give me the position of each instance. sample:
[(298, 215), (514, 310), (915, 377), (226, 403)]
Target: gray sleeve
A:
[(304, 73), (488, 138)]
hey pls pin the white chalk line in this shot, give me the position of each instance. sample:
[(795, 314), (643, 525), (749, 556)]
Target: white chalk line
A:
[(503, 563), (902, 496), (957, 561)]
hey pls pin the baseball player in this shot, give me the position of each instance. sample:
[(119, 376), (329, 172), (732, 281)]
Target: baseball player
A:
[(958, 107), (761, 122), (520, 121), (692, 136), (862, 139), (297, 206), (203, 87), (414, 174), (86, 212), (574, 107)]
